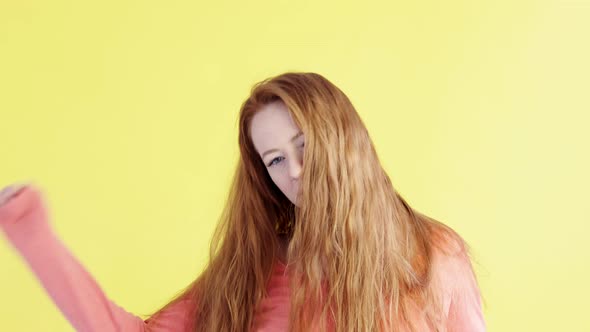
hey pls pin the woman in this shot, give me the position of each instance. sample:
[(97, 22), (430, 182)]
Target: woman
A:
[(313, 236)]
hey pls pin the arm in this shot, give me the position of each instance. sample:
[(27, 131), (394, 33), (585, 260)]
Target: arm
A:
[(24, 220)]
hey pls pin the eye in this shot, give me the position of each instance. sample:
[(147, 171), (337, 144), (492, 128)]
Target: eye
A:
[(272, 162)]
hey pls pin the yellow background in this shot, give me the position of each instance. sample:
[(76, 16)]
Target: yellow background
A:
[(124, 113)]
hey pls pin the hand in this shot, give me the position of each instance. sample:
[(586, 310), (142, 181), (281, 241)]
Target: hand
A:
[(23, 213), (10, 191)]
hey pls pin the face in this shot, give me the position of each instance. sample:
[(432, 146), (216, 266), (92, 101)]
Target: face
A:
[(279, 143)]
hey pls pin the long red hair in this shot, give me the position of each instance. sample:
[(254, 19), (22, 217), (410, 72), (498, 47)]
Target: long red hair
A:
[(359, 255)]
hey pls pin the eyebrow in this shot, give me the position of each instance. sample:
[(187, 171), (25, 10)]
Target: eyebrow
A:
[(275, 150)]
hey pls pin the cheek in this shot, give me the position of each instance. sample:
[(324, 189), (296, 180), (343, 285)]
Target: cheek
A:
[(279, 178)]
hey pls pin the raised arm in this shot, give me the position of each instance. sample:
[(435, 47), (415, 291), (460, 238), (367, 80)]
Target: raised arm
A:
[(24, 220)]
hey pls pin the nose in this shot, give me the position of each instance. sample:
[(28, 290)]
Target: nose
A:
[(295, 167)]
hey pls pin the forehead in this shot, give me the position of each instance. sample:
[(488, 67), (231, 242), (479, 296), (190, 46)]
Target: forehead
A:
[(272, 126)]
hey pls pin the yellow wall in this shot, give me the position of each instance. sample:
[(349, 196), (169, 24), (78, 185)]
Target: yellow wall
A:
[(124, 112)]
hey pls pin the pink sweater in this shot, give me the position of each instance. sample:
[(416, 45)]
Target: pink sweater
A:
[(25, 223)]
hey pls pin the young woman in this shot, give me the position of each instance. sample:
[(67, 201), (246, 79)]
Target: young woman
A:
[(313, 236)]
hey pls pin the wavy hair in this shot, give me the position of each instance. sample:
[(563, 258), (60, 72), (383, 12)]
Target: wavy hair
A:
[(359, 256)]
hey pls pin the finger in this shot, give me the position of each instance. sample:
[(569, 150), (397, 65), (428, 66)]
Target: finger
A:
[(6, 190), (12, 208), (11, 191), (5, 193)]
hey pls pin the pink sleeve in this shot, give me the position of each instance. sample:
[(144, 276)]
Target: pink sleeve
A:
[(465, 308), (24, 220)]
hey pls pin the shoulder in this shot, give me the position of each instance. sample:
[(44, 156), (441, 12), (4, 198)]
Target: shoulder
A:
[(454, 277), (178, 315), (450, 257)]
